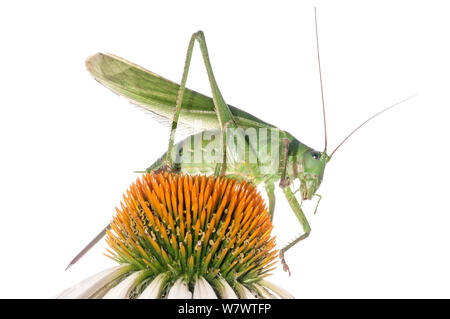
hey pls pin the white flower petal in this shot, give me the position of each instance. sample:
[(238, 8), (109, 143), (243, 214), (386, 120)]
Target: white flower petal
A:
[(179, 290), (123, 288), (153, 290), (90, 286), (276, 289), (203, 290), (244, 293), (225, 290), (263, 292)]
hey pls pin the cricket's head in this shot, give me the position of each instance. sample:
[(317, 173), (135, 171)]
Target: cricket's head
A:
[(311, 172)]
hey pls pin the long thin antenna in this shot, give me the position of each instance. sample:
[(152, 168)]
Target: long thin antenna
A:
[(370, 118), (320, 76)]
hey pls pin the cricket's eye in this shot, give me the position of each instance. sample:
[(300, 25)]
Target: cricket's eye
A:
[(315, 155)]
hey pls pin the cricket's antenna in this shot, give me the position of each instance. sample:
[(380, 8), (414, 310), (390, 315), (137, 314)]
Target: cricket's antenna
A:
[(320, 76), (370, 118)]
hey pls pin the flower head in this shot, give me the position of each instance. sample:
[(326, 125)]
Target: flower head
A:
[(189, 236)]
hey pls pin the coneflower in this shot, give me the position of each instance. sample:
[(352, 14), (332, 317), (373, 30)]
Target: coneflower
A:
[(182, 236)]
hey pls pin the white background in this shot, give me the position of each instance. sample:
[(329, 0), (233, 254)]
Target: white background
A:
[(69, 146)]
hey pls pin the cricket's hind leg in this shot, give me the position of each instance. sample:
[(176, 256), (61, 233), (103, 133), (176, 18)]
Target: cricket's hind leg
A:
[(284, 181), (226, 119)]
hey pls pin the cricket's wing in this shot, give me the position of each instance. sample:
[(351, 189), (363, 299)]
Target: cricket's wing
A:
[(158, 95)]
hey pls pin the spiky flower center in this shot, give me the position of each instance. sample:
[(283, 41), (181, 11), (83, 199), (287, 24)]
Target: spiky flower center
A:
[(191, 226)]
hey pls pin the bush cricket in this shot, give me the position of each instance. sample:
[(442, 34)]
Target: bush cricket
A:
[(263, 153)]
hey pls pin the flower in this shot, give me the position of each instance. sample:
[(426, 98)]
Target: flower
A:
[(183, 236)]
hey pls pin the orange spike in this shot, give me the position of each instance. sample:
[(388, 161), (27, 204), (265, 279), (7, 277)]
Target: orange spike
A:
[(182, 226), (202, 217), (167, 197), (221, 209), (194, 208), (208, 232)]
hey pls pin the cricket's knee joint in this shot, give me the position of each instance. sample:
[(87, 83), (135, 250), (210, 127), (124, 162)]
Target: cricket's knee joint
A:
[(284, 182), (227, 123)]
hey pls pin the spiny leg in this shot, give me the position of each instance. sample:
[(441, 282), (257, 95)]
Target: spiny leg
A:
[(270, 189), (296, 208), (223, 112), (284, 182)]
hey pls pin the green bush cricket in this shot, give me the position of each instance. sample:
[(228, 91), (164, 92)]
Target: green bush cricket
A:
[(259, 158)]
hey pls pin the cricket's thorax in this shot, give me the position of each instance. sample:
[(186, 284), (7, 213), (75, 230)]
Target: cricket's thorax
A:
[(256, 155)]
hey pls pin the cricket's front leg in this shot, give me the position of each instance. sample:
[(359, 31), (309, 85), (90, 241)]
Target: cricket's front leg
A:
[(296, 208)]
